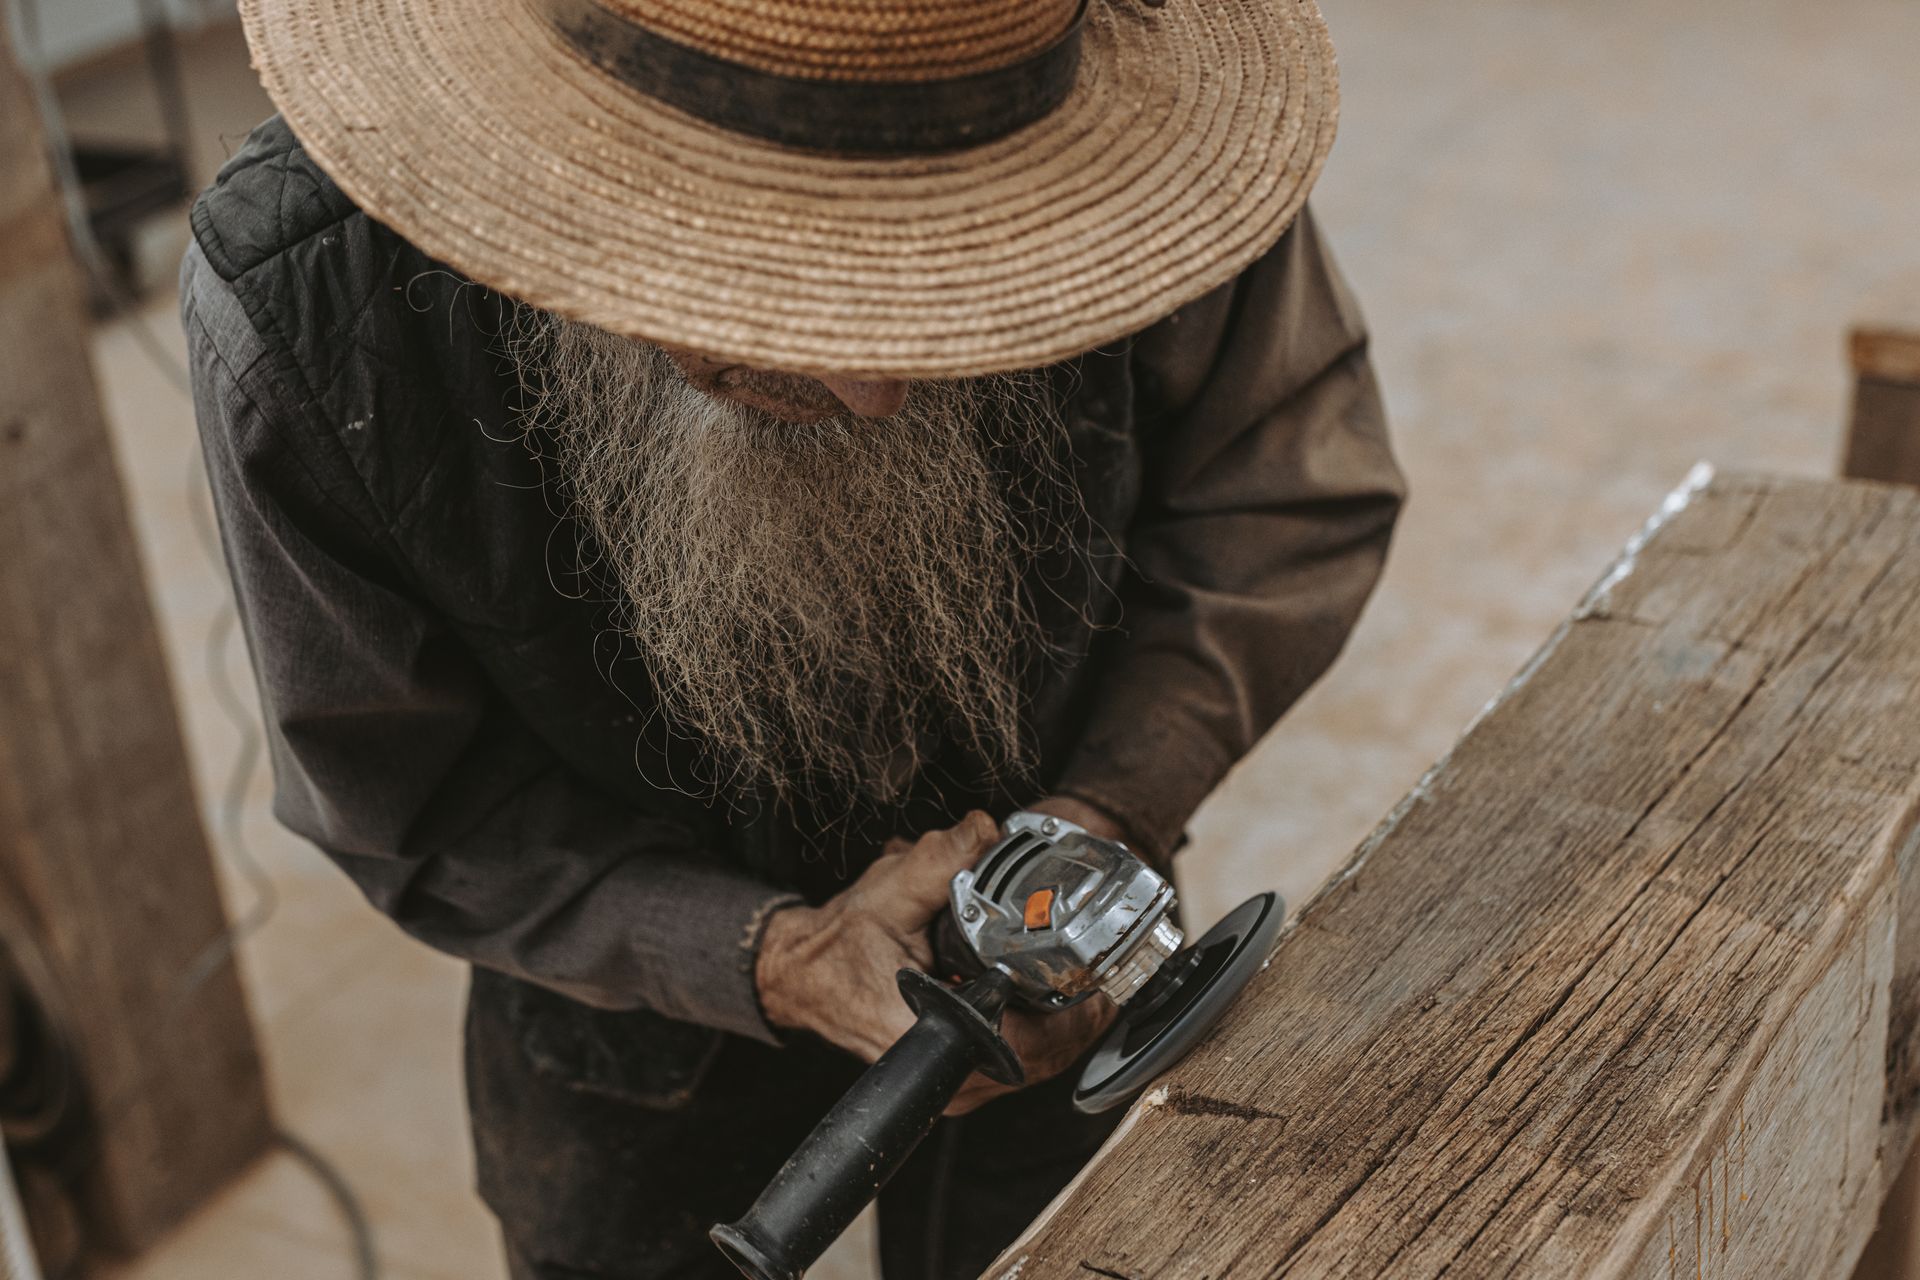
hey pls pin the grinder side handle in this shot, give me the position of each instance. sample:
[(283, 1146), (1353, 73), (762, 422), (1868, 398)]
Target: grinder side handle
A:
[(870, 1132)]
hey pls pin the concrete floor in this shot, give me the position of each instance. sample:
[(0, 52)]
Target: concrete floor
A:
[(1597, 243)]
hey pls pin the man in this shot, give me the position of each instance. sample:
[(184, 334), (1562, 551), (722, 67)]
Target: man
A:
[(684, 464)]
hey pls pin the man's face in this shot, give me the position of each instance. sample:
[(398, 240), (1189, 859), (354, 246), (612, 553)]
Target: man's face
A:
[(790, 397)]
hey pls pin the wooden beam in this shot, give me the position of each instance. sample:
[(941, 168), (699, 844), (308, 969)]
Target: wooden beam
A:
[(1883, 437), (1887, 350), (102, 852), (1883, 443), (1610, 993)]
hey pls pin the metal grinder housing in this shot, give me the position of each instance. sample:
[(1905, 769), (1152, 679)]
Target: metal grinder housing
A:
[(1062, 913)]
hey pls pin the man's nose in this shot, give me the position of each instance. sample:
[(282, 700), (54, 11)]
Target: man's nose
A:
[(877, 399)]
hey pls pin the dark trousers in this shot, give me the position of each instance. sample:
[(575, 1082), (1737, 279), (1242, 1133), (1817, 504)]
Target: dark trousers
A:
[(601, 1170)]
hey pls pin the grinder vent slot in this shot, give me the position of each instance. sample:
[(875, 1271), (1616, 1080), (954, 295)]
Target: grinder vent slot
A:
[(1006, 864)]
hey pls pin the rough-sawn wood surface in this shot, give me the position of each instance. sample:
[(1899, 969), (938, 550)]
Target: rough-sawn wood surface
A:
[(1610, 993)]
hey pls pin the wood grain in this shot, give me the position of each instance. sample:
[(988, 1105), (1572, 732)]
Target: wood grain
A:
[(104, 865), (1609, 994)]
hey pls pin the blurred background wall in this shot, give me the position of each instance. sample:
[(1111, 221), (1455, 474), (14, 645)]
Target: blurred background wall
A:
[(72, 31), (1596, 244)]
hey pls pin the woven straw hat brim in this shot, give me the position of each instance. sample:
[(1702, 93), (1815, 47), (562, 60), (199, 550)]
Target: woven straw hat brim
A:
[(1187, 147)]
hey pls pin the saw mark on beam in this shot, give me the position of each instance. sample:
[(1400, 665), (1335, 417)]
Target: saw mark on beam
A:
[(1200, 1104)]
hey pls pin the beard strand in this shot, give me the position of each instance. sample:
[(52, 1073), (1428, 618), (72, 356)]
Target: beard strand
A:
[(822, 606)]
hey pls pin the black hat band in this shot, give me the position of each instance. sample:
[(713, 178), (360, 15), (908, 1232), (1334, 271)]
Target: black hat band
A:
[(857, 117)]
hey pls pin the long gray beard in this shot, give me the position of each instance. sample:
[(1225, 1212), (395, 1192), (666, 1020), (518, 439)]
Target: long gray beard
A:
[(821, 605)]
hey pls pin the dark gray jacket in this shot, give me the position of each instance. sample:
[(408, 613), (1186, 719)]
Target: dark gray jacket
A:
[(455, 721)]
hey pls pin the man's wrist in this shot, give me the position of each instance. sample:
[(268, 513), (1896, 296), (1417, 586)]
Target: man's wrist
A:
[(775, 963), (1083, 814)]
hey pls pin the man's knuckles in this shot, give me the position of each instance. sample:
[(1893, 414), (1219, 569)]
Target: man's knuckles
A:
[(929, 867)]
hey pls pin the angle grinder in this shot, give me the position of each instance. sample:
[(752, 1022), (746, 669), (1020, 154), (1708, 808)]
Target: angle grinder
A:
[(1047, 917)]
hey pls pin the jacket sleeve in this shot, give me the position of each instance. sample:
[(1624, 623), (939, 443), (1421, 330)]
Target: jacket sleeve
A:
[(393, 752), (1269, 497)]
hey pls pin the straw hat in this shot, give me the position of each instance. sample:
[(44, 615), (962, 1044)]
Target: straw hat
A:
[(897, 188)]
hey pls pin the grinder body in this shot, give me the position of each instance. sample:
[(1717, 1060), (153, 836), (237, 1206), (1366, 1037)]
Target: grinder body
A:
[(1050, 915), (1062, 912)]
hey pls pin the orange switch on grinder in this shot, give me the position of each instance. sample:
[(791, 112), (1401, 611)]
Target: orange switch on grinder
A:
[(1039, 909)]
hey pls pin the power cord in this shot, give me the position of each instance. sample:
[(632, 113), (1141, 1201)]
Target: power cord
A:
[(246, 761)]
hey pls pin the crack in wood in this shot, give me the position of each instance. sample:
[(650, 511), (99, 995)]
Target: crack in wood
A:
[(1520, 1184), (1200, 1104)]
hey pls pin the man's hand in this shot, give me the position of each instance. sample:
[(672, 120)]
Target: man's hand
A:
[(1048, 1043), (830, 969)]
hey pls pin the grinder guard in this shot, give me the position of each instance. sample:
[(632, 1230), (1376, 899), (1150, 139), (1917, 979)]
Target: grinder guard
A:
[(1180, 1005)]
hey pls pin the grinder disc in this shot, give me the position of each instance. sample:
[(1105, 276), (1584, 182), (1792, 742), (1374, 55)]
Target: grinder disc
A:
[(1182, 1002)]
